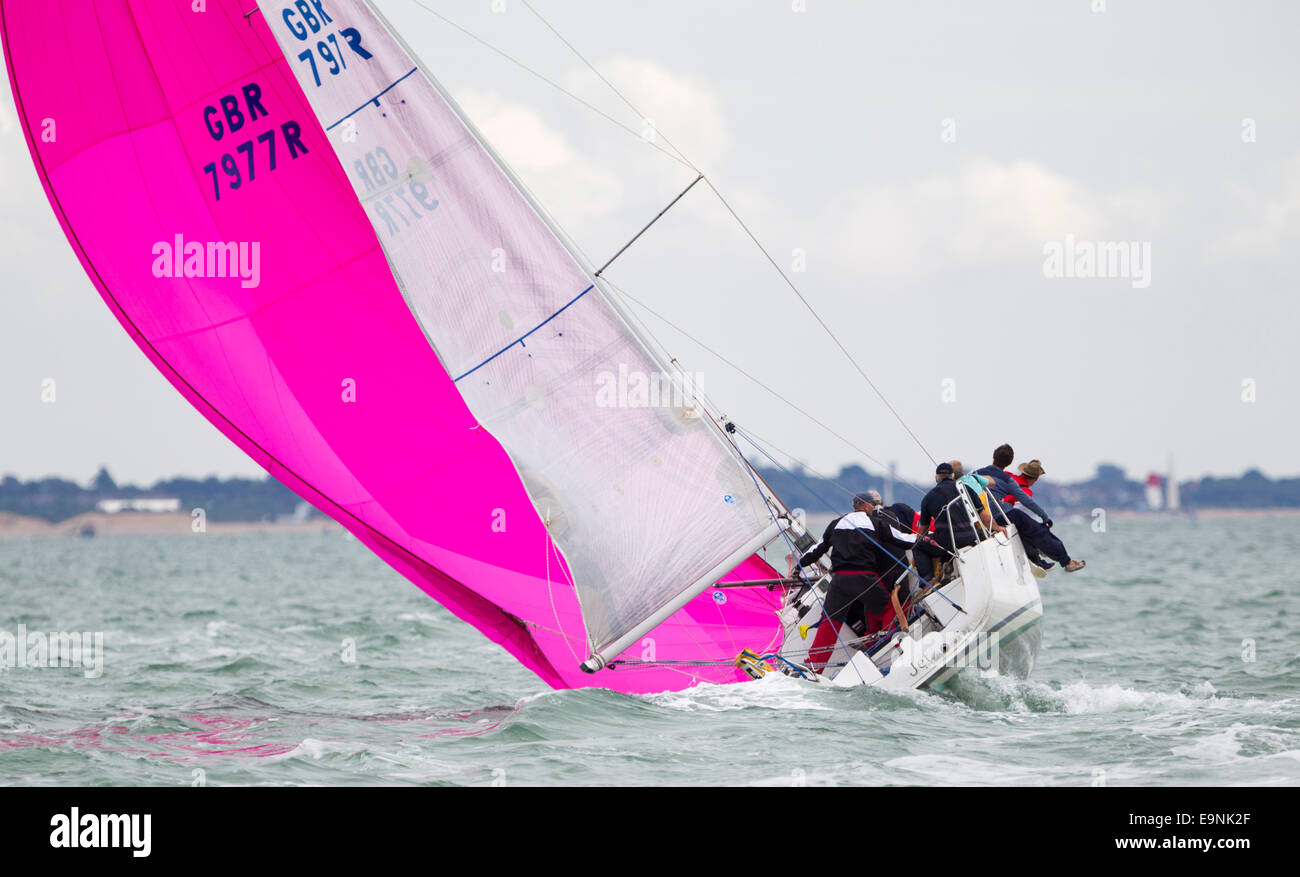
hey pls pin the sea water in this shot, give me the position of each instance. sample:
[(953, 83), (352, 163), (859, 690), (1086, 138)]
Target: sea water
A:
[(301, 659)]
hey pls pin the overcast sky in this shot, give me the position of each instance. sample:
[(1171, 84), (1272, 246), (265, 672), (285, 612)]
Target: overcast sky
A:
[(920, 155)]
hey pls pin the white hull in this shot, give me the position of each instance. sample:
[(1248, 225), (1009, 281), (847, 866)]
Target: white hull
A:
[(996, 629)]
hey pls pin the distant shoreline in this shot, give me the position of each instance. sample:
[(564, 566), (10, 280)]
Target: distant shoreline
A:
[(1129, 514), (15, 527), (146, 524)]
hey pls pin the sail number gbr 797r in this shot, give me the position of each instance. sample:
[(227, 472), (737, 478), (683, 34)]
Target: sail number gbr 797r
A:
[(308, 21)]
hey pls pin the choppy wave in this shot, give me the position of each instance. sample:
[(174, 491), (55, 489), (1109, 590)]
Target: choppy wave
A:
[(303, 660)]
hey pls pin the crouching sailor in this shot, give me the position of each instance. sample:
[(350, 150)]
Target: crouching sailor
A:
[(864, 545), (954, 528)]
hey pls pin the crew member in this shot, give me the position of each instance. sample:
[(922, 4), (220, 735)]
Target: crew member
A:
[(1038, 537), (862, 546), (953, 527)]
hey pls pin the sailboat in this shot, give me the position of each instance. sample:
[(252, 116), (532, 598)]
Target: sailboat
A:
[(306, 236)]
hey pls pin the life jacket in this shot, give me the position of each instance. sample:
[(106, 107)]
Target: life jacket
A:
[(1024, 485), (977, 491)]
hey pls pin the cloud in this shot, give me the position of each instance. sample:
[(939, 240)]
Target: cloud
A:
[(983, 211), (8, 117), (517, 131), (1270, 218), (687, 113), (25, 216), (580, 174), (541, 155)]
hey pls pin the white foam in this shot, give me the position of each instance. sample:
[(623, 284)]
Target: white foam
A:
[(1079, 698), (314, 749), (216, 628), (774, 691), (1085, 698), (957, 770), (1215, 748), (428, 618)]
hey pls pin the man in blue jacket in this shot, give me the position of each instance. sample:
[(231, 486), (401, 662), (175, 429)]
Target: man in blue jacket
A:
[(1037, 538), (1006, 486)]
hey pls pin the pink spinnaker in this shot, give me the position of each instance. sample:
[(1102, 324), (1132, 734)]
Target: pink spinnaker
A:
[(117, 99)]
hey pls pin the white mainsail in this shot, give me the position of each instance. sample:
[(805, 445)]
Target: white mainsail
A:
[(649, 503)]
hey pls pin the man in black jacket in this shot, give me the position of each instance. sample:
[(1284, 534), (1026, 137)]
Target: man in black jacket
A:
[(863, 546), (953, 527)]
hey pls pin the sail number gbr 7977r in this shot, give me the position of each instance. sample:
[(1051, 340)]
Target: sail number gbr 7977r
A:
[(230, 115)]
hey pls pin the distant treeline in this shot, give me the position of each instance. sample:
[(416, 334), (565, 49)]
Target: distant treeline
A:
[(265, 499), (1109, 488), (231, 499)]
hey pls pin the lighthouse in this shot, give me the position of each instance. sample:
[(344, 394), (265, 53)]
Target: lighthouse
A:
[(1155, 493)]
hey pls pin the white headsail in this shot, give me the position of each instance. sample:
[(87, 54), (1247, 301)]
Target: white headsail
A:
[(649, 503)]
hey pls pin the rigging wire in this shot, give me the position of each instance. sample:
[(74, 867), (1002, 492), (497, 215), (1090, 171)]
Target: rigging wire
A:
[(646, 227), (794, 554), (749, 437), (555, 85), (747, 230), (744, 373), (611, 85), (568, 238), (551, 594), (830, 334), (681, 158)]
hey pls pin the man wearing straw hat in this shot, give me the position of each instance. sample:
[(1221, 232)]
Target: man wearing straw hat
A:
[(1038, 537)]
